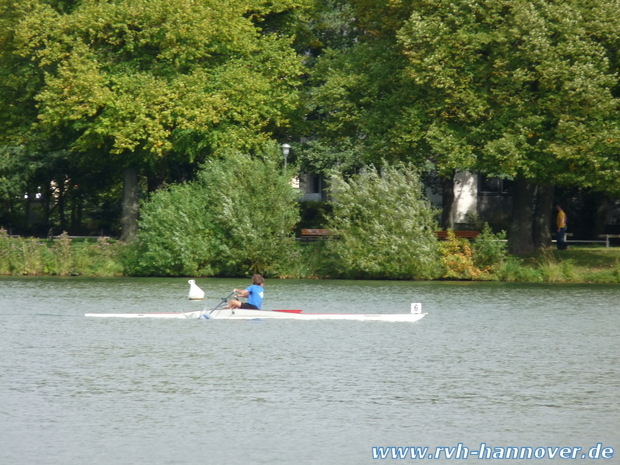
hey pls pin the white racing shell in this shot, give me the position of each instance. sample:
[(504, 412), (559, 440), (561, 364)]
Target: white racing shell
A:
[(245, 314)]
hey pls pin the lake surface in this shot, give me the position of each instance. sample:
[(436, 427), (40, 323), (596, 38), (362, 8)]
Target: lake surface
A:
[(508, 365)]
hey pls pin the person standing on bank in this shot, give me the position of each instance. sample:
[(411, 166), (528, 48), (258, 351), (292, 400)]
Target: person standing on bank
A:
[(561, 223), (254, 294)]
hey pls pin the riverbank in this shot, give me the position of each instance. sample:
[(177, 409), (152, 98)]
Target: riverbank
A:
[(106, 257)]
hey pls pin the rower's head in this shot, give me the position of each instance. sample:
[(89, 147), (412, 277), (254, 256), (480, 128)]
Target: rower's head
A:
[(258, 280)]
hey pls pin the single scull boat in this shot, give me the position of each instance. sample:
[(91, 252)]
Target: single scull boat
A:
[(244, 314), (218, 313)]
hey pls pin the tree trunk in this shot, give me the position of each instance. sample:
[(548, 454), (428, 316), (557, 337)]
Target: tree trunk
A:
[(47, 207), (27, 212), (129, 217), (447, 201), (601, 215), (61, 205), (543, 216), (520, 233)]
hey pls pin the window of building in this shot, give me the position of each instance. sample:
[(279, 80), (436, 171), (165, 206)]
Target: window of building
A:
[(492, 185)]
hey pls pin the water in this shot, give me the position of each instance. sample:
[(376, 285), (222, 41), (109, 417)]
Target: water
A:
[(500, 364)]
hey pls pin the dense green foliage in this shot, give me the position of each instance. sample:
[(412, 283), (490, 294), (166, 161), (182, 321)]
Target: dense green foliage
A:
[(525, 90), (151, 85), (529, 88), (151, 76), (153, 89), (507, 87), (236, 218), (384, 225), (490, 250)]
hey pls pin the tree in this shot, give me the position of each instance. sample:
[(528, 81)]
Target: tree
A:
[(525, 90), (355, 94), (361, 104), (135, 82), (521, 89)]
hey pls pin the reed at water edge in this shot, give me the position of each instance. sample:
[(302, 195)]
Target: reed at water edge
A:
[(59, 257)]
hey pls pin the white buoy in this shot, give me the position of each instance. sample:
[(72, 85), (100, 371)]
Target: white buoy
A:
[(195, 293)]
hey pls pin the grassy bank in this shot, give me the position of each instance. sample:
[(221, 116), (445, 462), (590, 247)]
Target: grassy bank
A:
[(586, 264), (105, 258)]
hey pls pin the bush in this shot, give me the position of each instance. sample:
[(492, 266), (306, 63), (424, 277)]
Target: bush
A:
[(235, 219), (482, 260), (385, 226), (490, 250), (457, 258)]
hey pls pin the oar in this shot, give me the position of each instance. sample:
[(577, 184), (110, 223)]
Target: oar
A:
[(224, 300)]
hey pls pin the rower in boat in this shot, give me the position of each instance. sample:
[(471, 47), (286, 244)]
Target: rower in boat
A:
[(254, 294), (252, 311)]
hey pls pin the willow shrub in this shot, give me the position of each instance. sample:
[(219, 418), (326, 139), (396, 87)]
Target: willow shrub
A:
[(235, 219), (385, 226)]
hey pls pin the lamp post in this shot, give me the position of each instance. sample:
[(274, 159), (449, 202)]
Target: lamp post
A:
[(285, 150)]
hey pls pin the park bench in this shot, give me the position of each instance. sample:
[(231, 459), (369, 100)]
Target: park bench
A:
[(314, 234), (471, 235)]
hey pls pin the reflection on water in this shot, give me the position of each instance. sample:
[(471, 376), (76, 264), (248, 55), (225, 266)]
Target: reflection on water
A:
[(503, 364)]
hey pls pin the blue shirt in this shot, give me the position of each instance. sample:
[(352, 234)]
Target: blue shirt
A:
[(255, 296)]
